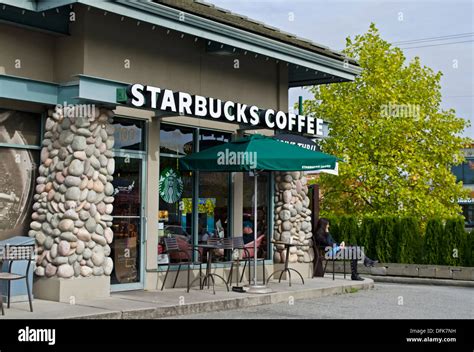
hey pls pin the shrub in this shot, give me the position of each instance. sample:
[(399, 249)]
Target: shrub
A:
[(409, 241), (385, 239), (453, 244), (348, 230), (432, 241), (368, 235)]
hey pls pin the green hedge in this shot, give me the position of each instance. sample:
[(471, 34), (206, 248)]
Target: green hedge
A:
[(392, 239)]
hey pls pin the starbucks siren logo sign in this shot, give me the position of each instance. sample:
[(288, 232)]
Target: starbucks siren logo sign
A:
[(171, 185)]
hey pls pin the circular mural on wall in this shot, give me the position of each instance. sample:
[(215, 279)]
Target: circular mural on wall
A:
[(171, 185)]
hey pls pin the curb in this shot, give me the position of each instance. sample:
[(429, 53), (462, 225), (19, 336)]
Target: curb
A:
[(246, 301), (420, 281)]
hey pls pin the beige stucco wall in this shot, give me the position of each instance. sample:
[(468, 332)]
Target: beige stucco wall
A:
[(26, 53), (130, 53), (104, 46)]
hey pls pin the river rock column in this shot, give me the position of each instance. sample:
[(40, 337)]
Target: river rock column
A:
[(71, 220), (292, 218)]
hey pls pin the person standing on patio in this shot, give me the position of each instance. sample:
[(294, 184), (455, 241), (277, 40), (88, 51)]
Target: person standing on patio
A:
[(323, 238)]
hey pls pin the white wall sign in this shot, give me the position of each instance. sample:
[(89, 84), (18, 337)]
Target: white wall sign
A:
[(141, 96)]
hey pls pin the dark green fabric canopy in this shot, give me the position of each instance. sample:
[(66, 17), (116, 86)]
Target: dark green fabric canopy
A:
[(260, 153)]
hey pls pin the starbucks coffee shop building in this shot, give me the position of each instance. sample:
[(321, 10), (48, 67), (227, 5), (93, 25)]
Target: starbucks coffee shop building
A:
[(99, 101)]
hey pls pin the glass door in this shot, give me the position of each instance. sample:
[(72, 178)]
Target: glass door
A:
[(127, 247)]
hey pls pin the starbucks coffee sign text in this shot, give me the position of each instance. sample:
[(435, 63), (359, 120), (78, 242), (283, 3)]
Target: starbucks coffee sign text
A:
[(182, 103)]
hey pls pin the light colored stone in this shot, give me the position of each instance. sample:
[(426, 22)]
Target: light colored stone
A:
[(54, 251), (81, 155), (99, 239), (65, 271), (98, 258), (98, 271), (63, 248), (108, 266), (287, 226), (285, 215), (91, 225), (71, 214), (109, 189), (287, 196), (93, 209), (111, 166), (35, 226), (50, 270), (285, 236), (98, 186), (91, 196), (109, 235), (78, 143), (84, 215), (86, 271), (109, 208), (87, 254), (66, 225), (48, 243), (68, 236), (76, 168), (80, 247), (84, 235)]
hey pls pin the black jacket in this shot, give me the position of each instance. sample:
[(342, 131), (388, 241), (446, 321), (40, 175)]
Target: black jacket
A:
[(324, 240)]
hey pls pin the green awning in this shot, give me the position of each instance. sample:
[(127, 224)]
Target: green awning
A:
[(260, 153)]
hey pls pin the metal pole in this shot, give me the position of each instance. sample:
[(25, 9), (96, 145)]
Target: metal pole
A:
[(255, 227), (300, 105)]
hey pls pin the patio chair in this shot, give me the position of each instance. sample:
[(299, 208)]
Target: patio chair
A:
[(320, 256), (235, 243), (12, 254), (180, 251), (248, 256)]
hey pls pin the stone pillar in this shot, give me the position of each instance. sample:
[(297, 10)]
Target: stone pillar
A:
[(292, 217), (72, 217)]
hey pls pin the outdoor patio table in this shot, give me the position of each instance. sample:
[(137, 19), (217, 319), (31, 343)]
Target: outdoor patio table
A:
[(286, 269), (208, 276)]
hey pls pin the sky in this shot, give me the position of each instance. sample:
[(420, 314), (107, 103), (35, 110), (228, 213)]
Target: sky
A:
[(330, 22)]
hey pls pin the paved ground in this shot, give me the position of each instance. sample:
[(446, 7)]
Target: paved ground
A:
[(171, 302), (382, 302)]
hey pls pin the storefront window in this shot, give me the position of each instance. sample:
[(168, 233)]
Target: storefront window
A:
[(22, 128), (468, 212), (176, 141), (213, 205), (464, 172), (214, 192), (175, 209), (19, 158), (129, 134), (262, 211), (175, 186), (125, 249), (468, 167)]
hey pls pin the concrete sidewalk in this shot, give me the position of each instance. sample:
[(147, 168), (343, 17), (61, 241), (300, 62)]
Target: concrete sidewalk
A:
[(160, 304)]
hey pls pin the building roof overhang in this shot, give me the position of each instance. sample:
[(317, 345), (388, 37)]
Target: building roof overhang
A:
[(308, 63)]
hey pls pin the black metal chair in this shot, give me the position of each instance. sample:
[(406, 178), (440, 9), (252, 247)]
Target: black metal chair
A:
[(320, 256), (233, 244), (14, 253), (171, 247), (248, 258)]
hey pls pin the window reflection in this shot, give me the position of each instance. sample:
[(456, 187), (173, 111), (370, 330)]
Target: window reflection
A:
[(129, 134), (262, 211), (175, 140)]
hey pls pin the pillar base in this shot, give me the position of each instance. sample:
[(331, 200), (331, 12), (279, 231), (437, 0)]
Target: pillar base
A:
[(71, 290)]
